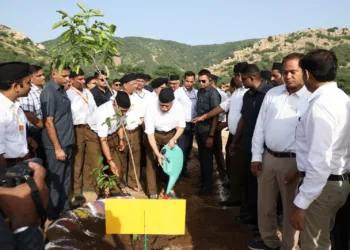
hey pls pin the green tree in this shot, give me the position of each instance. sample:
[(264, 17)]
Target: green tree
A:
[(166, 71)]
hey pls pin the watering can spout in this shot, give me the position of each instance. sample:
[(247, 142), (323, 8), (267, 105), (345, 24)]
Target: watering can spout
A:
[(172, 166)]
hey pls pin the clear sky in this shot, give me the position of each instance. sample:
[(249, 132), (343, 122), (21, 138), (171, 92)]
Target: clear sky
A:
[(187, 21)]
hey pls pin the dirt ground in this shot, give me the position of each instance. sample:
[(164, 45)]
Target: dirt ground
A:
[(208, 226)]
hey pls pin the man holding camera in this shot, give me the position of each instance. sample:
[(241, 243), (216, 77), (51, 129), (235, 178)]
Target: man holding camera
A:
[(16, 203)]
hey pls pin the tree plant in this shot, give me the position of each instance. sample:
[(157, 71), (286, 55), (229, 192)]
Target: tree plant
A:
[(88, 41)]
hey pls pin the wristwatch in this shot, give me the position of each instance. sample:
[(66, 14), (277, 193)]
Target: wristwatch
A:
[(175, 141), (122, 139)]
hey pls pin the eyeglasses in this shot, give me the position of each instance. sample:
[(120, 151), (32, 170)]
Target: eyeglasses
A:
[(202, 81), (103, 79)]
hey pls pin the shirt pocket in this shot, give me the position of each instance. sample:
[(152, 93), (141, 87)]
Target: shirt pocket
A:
[(63, 106)]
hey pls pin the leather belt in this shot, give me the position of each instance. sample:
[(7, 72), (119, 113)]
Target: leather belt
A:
[(82, 126), (133, 130), (332, 177), (13, 161), (165, 133), (281, 154)]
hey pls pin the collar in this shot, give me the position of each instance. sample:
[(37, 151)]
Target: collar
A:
[(7, 101), (322, 89), (300, 93), (34, 88), (207, 88), (55, 85)]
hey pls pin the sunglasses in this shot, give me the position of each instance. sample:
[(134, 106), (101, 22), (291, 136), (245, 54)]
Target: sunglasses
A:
[(103, 79), (202, 81), (117, 84)]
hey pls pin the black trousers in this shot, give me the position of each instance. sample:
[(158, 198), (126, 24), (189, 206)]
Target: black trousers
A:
[(205, 159), (59, 182), (251, 187), (185, 143), (340, 232)]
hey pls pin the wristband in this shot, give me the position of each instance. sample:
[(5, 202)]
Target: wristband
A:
[(122, 139), (108, 161)]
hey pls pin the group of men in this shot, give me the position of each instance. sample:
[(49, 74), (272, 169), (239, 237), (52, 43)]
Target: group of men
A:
[(288, 138)]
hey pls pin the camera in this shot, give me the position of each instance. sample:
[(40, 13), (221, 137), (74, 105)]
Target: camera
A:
[(18, 174)]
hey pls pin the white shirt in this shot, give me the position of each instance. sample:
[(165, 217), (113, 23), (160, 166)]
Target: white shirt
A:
[(134, 114), (82, 105), (97, 121), (322, 141), (277, 121), (224, 97), (234, 105), (188, 100), (156, 119), (13, 141), (144, 98)]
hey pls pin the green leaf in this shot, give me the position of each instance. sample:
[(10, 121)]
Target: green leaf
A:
[(100, 39), (95, 11), (105, 168), (64, 14), (134, 237), (77, 69), (108, 121), (107, 70), (100, 160), (58, 24), (112, 29), (88, 38), (81, 6), (82, 31)]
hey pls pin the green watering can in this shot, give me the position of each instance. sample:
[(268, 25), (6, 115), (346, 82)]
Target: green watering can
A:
[(172, 166)]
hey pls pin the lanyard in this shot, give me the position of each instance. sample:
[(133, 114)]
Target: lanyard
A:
[(86, 100), (185, 90), (140, 95), (18, 119)]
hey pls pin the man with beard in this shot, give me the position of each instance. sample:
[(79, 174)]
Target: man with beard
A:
[(58, 139), (276, 74), (14, 83), (165, 123)]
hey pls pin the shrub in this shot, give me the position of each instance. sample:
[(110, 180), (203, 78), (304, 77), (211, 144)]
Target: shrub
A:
[(4, 33), (270, 39), (309, 44), (332, 29)]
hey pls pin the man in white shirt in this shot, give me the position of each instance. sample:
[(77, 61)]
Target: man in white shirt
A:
[(134, 118), (187, 96), (273, 154), (32, 109), (165, 123), (82, 106), (106, 123), (116, 86), (322, 147), (14, 83), (234, 161), (174, 82), (217, 147)]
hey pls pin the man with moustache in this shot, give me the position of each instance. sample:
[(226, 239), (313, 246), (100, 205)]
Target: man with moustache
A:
[(58, 139), (90, 82), (32, 108), (174, 82), (273, 155), (85, 153), (14, 83), (322, 147), (187, 96), (101, 92)]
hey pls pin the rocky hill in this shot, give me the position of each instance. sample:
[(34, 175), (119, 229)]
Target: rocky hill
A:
[(14, 46), (274, 48)]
